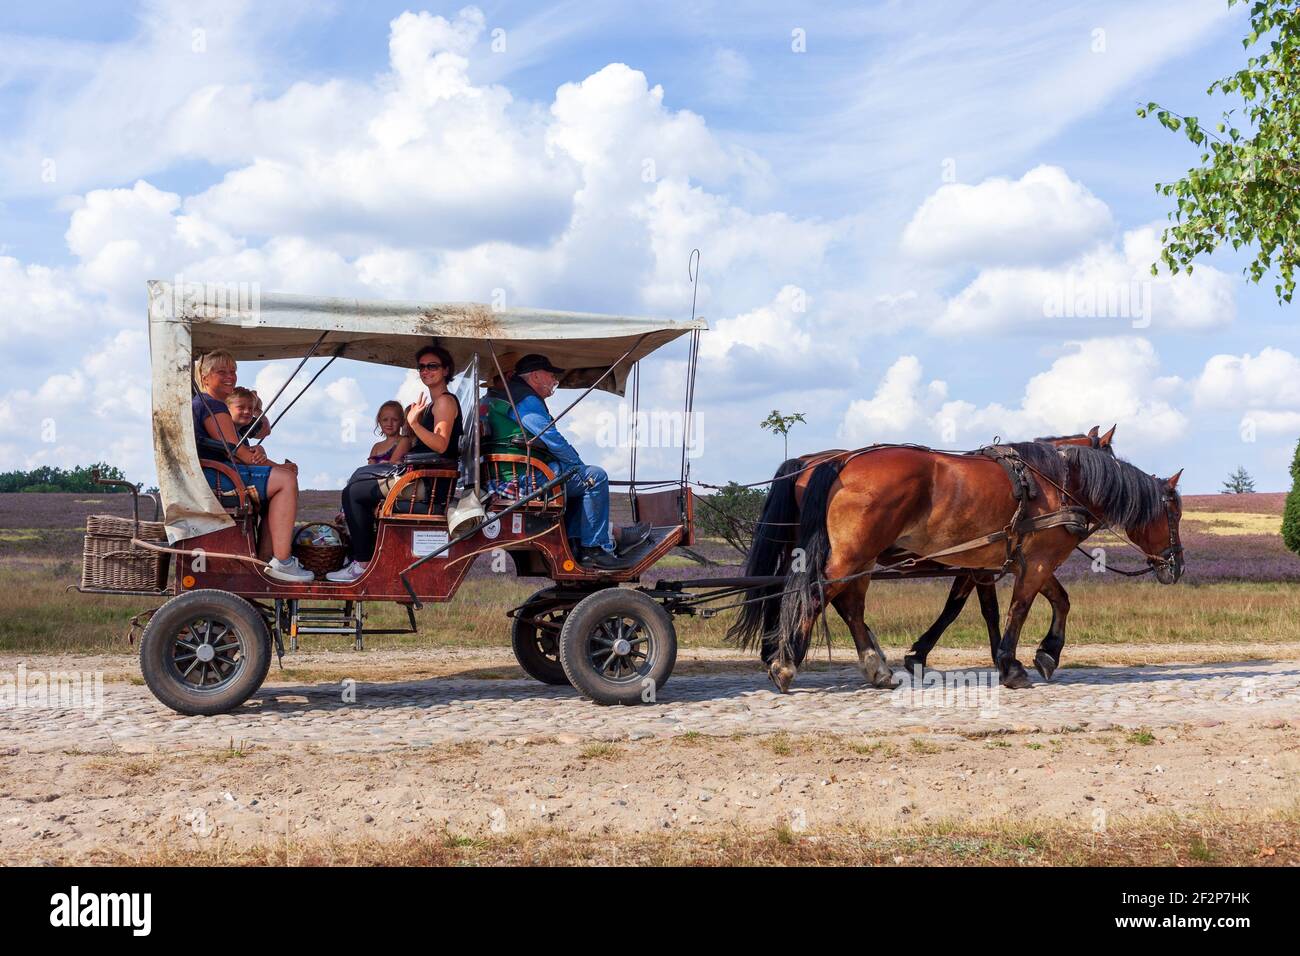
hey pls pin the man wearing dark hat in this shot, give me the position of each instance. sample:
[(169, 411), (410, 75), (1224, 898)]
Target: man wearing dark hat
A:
[(533, 381)]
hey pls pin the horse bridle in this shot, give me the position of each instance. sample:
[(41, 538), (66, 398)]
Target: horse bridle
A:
[(1172, 556)]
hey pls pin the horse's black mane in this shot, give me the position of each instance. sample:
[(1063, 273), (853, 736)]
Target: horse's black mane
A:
[(1118, 492)]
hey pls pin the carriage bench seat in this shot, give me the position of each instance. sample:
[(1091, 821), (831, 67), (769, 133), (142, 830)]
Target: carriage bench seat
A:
[(239, 499), (501, 473), (422, 492)]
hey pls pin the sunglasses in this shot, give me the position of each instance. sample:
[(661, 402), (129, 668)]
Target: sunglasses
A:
[(428, 366)]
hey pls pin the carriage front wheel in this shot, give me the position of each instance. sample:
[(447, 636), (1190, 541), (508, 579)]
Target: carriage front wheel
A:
[(618, 647), (205, 652)]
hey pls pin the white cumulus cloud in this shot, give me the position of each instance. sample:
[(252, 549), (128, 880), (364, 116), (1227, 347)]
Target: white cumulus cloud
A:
[(1271, 378), (1041, 217), (900, 404), (1097, 381), (1107, 289)]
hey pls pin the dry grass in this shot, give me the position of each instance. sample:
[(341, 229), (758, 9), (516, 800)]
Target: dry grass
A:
[(38, 615), (1233, 522), (1168, 840), (779, 744), (882, 748), (601, 751), (127, 768)]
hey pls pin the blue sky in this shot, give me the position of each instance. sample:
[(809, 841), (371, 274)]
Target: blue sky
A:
[(882, 215)]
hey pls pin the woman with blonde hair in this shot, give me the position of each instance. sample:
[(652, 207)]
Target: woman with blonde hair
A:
[(276, 483)]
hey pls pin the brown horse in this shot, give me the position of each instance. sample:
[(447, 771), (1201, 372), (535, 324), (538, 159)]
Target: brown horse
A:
[(774, 539), (941, 506), (1048, 656)]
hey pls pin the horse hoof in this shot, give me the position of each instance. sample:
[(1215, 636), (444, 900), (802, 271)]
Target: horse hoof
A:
[(1017, 679), (782, 675), (915, 665), (1045, 664)]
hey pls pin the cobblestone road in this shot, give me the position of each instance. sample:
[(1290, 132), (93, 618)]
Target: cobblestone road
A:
[(444, 710)]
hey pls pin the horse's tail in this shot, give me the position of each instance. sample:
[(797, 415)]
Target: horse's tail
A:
[(769, 554), (800, 605)]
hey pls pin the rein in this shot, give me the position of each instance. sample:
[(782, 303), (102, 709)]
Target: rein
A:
[(1128, 574)]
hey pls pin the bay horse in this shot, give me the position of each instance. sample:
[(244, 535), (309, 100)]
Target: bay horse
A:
[(774, 540), (1048, 656), (948, 508)]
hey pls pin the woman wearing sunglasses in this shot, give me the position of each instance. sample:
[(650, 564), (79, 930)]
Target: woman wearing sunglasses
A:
[(435, 425)]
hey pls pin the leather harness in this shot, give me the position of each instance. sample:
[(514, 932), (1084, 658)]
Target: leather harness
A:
[(1024, 489)]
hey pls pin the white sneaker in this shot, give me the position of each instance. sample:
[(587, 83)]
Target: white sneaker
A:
[(291, 571), (347, 574)]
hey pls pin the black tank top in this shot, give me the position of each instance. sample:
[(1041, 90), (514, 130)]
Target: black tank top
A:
[(427, 421)]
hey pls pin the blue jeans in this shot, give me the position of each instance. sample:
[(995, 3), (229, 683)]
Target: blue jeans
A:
[(253, 476), (588, 519)]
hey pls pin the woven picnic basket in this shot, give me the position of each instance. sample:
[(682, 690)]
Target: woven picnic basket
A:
[(109, 561), (320, 559)]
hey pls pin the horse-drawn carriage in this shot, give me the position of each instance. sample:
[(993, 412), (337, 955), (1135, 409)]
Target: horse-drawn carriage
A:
[(208, 647)]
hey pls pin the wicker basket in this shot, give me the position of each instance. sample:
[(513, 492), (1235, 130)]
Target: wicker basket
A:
[(111, 562), (320, 559), (111, 526)]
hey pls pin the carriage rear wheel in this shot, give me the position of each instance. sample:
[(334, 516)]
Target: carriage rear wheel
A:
[(535, 637), (618, 647), (205, 652)]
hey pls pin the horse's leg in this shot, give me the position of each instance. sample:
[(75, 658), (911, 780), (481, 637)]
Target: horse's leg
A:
[(782, 670), (1048, 657), (1023, 592), (988, 594), (957, 597), (851, 603)]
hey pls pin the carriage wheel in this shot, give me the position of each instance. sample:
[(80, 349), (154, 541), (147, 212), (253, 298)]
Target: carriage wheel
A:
[(205, 652), (618, 647), (535, 637)]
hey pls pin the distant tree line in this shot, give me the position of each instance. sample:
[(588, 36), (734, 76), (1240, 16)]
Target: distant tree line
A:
[(49, 478)]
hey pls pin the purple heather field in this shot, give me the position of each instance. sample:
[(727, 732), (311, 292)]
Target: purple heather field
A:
[(45, 526)]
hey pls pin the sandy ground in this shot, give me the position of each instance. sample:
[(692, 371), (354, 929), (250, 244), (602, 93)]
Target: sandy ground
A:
[(77, 807), (65, 801)]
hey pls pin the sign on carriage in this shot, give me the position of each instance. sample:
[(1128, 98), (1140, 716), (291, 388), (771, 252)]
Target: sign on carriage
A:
[(427, 542)]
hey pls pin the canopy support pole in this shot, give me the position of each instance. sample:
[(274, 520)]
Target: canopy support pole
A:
[(337, 352), (253, 427), (693, 271)]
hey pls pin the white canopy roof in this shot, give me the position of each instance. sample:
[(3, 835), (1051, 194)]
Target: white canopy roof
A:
[(186, 321)]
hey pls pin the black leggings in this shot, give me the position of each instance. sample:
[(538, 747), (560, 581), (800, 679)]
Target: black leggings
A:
[(361, 495)]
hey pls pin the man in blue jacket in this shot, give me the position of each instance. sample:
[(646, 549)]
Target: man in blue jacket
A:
[(532, 382)]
